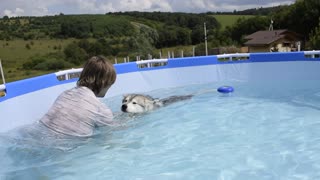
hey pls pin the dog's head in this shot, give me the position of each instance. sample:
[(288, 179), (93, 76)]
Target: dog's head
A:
[(138, 103)]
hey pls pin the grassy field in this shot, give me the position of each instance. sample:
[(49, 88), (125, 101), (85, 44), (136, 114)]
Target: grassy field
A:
[(228, 20), (16, 52)]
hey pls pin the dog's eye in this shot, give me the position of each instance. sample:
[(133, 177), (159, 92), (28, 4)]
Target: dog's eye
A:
[(124, 101), (134, 103)]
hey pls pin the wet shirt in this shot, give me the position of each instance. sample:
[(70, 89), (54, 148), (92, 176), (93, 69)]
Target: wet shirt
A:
[(77, 112)]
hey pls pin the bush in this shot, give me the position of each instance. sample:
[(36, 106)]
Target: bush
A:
[(28, 46), (74, 54), (51, 61), (53, 64), (34, 61)]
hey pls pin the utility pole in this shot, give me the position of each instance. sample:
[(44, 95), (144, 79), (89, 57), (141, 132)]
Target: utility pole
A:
[(205, 38), (271, 25), (2, 74), (193, 50)]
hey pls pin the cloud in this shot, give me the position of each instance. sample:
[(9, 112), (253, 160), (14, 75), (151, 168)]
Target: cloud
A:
[(25, 8), (16, 12), (135, 5), (51, 7)]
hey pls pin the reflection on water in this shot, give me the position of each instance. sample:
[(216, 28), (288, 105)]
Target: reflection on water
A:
[(32, 151), (266, 130)]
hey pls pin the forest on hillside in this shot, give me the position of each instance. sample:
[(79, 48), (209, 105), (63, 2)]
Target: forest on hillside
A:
[(131, 34)]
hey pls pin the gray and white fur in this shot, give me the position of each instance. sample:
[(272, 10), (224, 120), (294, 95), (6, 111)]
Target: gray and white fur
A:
[(139, 103)]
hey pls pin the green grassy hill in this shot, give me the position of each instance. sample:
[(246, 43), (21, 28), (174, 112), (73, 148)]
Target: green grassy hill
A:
[(228, 20), (35, 40), (15, 53), (31, 44)]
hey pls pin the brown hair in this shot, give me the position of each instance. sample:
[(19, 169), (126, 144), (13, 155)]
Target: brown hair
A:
[(97, 74)]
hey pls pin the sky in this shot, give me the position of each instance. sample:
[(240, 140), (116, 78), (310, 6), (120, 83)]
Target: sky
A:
[(14, 8)]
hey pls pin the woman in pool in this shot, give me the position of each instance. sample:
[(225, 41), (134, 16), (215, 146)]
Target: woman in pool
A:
[(76, 112)]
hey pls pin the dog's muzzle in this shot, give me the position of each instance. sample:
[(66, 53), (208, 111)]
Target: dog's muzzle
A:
[(124, 108)]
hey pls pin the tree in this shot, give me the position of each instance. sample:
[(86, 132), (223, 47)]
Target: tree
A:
[(6, 18), (77, 29), (74, 54), (315, 38), (197, 35), (246, 26), (301, 17)]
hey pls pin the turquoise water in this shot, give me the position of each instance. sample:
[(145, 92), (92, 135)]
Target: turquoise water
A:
[(262, 131)]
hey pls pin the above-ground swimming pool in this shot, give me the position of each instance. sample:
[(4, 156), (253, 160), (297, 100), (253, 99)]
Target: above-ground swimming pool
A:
[(266, 129)]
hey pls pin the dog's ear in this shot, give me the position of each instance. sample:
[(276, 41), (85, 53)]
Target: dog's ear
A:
[(155, 101), (158, 102), (148, 100)]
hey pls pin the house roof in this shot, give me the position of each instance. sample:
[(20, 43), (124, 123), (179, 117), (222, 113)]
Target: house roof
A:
[(268, 37)]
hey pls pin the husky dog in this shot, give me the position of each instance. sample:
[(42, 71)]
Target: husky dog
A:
[(139, 103)]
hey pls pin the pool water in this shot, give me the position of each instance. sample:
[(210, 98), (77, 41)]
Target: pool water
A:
[(262, 131)]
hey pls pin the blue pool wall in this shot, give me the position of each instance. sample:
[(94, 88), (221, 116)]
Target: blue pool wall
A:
[(28, 100)]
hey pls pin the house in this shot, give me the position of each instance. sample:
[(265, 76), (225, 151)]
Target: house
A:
[(281, 40)]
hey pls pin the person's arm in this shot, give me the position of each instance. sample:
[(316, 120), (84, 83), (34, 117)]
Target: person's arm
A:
[(105, 117)]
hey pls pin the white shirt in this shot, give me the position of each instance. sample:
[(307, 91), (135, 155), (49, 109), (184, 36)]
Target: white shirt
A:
[(76, 112)]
